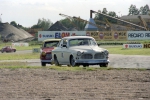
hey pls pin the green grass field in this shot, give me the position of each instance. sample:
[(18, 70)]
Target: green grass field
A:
[(111, 49), (120, 50), (15, 56), (18, 65)]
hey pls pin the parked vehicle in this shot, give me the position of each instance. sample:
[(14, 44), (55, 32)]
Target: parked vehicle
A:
[(47, 46), (79, 50), (8, 49)]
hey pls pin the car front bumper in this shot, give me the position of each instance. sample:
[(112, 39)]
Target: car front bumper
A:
[(46, 61), (91, 62)]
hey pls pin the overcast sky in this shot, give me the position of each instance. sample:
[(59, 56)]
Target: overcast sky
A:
[(27, 12)]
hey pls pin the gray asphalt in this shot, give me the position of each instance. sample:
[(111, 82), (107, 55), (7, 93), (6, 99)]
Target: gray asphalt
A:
[(129, 61), (116, 61)]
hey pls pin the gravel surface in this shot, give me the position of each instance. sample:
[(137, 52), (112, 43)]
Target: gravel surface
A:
[(46, 84)]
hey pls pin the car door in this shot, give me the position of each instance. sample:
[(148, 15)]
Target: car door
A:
[(58, 52), (7, 49), (65, 52)]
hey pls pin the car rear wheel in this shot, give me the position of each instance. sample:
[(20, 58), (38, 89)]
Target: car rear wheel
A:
[(68, 65), (43, 63), (104, 65), (72, 62)]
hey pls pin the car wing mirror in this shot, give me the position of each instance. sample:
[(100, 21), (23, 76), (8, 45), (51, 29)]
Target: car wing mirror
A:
[(41, 47), (64, 45)]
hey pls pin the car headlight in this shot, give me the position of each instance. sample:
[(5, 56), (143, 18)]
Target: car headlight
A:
[(43, 53), (106, 52), (79, 53)]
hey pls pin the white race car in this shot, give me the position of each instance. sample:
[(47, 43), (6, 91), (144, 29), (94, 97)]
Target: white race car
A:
[(79, 50)]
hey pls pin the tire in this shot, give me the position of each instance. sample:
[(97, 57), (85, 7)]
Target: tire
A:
[(56, 61), (72, 62), (85, 65), (104, 65), (68, 65), (43, 63), (14, 50)]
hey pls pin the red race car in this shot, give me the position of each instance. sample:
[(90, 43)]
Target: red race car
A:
[(46, 49), (8, 49)]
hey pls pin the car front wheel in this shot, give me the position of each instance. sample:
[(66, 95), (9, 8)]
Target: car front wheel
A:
[(72, 62), (43, 63), (104, 65)]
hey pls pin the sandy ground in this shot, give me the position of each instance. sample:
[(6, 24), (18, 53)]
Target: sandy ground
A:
[(46, 84)]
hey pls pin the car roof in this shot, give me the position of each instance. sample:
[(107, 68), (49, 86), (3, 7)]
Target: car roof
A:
[(74, 37), (51, 40)]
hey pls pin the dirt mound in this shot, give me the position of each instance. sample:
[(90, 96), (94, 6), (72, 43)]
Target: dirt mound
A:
[(10, 32)]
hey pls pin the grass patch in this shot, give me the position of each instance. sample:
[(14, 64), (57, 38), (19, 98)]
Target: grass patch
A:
[(27, 48), (65, 68), (15, 56), (18, 65), (12, 65), (120, 50)]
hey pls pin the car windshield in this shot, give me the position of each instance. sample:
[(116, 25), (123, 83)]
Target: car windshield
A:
[(51, 44), (82, 42)]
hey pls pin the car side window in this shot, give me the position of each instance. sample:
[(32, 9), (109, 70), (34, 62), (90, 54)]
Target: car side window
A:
[(65, 42), (61, 43), (92, 42), (73, 42), (58, 43)]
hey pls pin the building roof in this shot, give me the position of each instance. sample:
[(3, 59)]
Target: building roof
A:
[(57, 27), (90, 27), (135, 17)]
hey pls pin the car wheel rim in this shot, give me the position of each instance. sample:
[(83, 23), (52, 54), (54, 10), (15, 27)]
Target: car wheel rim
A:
[(72, 62)]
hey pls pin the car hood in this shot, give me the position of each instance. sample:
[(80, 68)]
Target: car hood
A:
[(48, 49), (87, 48)]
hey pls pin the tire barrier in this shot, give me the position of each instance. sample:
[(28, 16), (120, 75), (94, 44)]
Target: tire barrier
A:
[(35, 50), (117, 43)]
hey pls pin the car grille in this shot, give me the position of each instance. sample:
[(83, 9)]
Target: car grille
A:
[(99, 56), (48, 56), (86, 56)]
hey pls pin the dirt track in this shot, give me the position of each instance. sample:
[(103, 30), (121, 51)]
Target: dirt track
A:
[(44, 84)]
